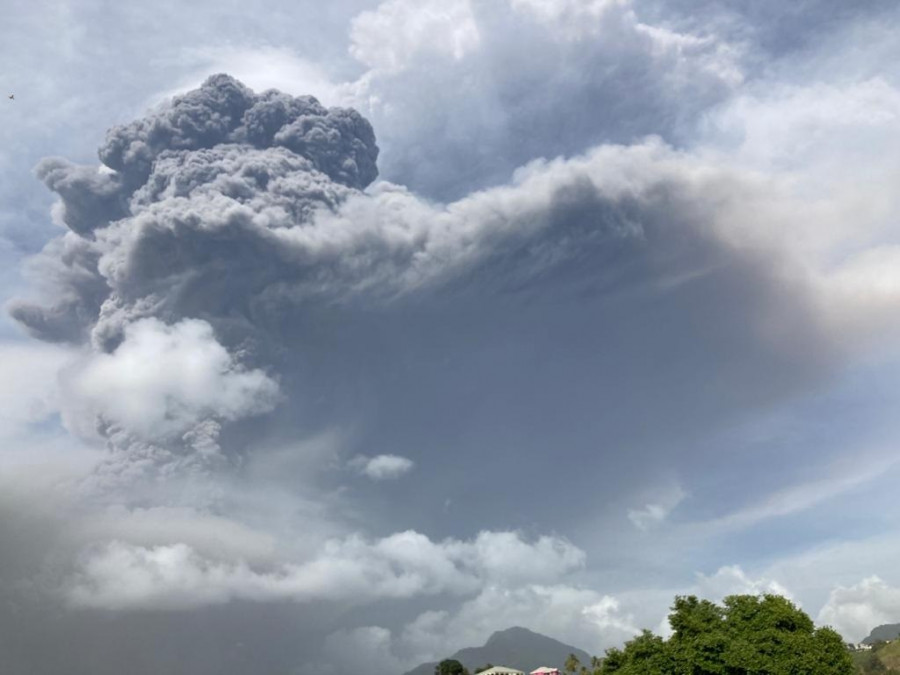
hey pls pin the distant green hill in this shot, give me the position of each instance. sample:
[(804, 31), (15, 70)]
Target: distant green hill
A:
[(890, 656), (517, 648), (888, 631), (883, 659)]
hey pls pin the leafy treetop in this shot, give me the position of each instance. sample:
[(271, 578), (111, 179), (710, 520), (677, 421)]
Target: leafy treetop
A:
[(450, 667), (746, 635)]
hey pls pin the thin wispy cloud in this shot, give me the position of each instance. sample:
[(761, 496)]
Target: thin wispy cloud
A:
[(382, 467)]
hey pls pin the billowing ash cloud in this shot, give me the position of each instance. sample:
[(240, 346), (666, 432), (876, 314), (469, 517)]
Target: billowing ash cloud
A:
[(527, 79), (199, 170), (249, 321), (172, 245), (339, 143), (238, 221)]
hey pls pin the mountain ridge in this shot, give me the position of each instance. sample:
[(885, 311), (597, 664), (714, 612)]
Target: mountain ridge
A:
[(882, 633), (515, 647)]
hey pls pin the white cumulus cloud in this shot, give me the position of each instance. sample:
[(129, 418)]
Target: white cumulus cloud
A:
[(733, 580), (119, 575), (389, 37), (855, 610), (162, 380)]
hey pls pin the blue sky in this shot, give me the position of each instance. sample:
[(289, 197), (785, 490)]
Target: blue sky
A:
[(615, 321)]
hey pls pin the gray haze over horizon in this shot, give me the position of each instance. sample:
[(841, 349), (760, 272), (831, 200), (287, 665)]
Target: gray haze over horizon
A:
[(342, 337)]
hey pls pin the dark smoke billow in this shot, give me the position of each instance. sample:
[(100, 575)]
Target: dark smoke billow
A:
[(246, 235), (178, 186)]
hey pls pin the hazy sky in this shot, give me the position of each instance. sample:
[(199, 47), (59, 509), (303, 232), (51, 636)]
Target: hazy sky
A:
[(496, 312)]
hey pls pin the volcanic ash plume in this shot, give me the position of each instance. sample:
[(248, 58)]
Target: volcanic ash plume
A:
[(183, 219), (173, 245)]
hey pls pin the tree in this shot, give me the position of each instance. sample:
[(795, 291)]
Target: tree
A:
[(870, 663), (647, 654), (450, 667), (572, 664), (747, 635)]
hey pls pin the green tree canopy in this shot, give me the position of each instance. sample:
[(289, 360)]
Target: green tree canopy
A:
[(747, 635), (572, 664), (450, 667)]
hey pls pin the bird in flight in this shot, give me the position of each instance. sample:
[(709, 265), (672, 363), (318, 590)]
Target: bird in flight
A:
[(12, 97)]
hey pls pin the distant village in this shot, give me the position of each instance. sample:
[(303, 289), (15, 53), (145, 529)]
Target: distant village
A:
[(866, 646), (503, 670)]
